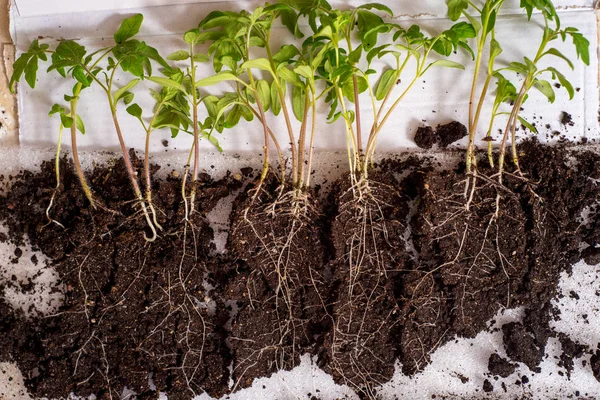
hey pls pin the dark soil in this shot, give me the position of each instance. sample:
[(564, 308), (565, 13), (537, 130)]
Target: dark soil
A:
[(425, 137), (359, 278), (131, 308), (282, 290), (500, 366), (444, 135), (450, 133)]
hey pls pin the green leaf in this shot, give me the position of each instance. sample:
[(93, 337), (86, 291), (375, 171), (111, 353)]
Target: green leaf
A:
[(298, 102), (444, 64), (80, 75), (554, 52), (386, 83), (289, 76), (563, 81), (167, 83), (527, 125), (135, 110), (31, 71), (129, 28), (456, 8), (305, 71), (258, 63), (66, 120), (79, 124), (191, 36), (56, 108), (287, 53), (128, 97), (546, 89), (200, 57), (275, 100), (71, 50), (263, 91), (377, 6), (212, 140), (178, 55), (582, 47), (220, 77), (121, 92)]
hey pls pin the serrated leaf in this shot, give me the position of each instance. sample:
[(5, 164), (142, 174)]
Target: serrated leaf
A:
[(31, 71), (121, 92), (582, 47), (129, 28), (178, 55), (386, 83), (554, 52), (546, 89)]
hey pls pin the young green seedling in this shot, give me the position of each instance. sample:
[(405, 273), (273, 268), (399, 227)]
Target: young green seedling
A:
[(483, 21), (128, 54), (346, 79), (181, 109), (532, 73), (27, 64), (234, 37)]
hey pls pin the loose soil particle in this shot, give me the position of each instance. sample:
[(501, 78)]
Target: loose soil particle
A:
[(177, 311)]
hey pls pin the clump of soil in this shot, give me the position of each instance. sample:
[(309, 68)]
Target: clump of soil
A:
[(425, 137), (132, 310), (444, 135), (281, 292), (369, 250), (500, 366), (450, 133)]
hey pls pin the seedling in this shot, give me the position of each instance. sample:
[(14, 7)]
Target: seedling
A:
[(346, 79), (128, 54), (180, 111), (483, 23), (234, 37), (532, 73), (27, 64)]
